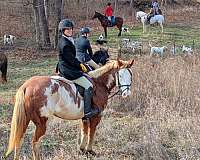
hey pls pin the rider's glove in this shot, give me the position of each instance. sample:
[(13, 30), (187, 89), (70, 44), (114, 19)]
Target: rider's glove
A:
[(84, 69)]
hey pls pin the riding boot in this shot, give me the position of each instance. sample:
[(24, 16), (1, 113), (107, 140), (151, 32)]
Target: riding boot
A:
[(89, 112)]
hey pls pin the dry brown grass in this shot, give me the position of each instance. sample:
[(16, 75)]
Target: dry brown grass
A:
[(159, 121)]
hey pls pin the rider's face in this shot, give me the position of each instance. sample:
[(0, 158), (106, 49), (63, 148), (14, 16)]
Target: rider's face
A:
[(87, 34), (68, 32)]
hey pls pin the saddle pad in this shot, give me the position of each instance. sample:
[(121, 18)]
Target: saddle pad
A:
[(79, 88)]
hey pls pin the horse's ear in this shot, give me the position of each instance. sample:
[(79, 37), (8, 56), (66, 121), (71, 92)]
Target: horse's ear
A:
[(130, 63), (119, 62)]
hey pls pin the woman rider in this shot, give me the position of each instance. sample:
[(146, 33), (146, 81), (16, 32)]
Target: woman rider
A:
[(71, 68)]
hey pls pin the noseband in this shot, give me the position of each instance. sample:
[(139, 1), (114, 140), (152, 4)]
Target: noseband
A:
[(119, 86)]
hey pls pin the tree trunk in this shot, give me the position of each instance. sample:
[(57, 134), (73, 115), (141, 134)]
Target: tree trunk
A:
[(37, 25), (87, 9), (116, 4), (46, 7), (131, 8), (167, 2), (44, 24), (59, 6)]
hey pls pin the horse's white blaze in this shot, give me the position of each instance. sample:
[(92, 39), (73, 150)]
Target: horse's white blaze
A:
[(61, 103), (125, 80)]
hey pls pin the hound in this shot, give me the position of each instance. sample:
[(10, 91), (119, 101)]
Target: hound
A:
[(125, 29), (101, 40), (157, 50), (9, 39), (187, 50)]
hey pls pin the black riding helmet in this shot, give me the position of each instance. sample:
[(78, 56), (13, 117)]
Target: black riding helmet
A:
[(65, 23), (85, 30)]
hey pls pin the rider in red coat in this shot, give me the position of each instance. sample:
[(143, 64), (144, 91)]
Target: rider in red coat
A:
[(109, 11)]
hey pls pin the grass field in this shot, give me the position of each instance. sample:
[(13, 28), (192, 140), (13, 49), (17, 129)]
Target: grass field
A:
[(159, 121)]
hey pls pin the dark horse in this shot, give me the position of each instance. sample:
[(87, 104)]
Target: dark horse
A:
[(3, 66), (101, 56), (105, 22)]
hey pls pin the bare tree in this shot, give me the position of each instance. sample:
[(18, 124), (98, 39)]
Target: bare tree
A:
[(59, 5), (46, 7), (131, 8), (44, 24), (37, 23), (167, 2), (116, 4), (87, 9)]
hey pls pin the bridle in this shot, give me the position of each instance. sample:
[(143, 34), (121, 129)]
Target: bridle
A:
[(119, 86)]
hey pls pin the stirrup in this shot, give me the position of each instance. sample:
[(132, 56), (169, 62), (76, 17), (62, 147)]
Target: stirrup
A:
[(92, 113)]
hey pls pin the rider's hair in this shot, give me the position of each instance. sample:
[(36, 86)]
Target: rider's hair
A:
[(109, 4)]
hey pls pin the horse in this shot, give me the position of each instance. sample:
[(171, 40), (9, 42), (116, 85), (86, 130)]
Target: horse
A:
[(105, 22), (101, 56), (42, 97), (3, 67), (143, 16)]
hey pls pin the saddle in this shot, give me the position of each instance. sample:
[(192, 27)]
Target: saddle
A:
[(79, 88), (112, 22)]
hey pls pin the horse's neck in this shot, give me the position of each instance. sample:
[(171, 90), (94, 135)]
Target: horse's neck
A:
[(101, 18), (142, 14), (107, 80)]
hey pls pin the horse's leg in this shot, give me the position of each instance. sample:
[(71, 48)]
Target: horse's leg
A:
[(92, 128), (84, 132), (144, 28), (4, 72), (105, 31), (39, 132), (161, 25), (120, 30)]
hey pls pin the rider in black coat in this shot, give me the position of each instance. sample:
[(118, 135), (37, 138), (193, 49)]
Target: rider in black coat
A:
[(68, 64), (71, 68), (83, 48)]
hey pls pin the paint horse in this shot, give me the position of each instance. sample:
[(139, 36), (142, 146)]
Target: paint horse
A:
[(105, 22), (3, 67), (41, 97)]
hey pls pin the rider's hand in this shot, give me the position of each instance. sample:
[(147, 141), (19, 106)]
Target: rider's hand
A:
[(84, 69)]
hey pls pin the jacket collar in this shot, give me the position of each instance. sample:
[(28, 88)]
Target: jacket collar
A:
[(71, 39)]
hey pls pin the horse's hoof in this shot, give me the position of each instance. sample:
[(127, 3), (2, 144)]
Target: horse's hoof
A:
[(91, 153), (82, 151)]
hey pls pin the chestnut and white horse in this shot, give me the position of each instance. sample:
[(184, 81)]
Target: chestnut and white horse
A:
[(42, 97), (143, 17)]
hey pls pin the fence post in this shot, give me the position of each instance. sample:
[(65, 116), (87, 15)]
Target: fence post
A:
[(174, 47), (193, 43)]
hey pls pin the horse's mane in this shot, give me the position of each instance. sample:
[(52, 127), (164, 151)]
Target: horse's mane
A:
[(102, 70), (100, 14)]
